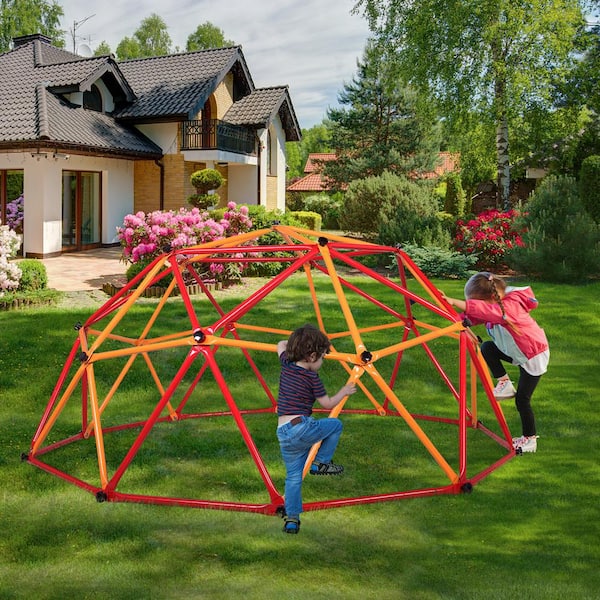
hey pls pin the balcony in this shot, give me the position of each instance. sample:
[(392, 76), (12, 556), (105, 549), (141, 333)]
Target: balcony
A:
[(213, 134)]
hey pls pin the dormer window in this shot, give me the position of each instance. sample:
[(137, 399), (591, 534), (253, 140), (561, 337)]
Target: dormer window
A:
[(93, 99)]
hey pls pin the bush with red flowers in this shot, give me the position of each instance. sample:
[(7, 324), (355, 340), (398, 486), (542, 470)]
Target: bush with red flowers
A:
[(489, 236)]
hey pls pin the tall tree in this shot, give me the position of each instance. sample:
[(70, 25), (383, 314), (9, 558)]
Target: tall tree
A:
[(207, 36), (380, 126), (102, 49), (150, 39), (491, 55), (315, 139), (25, 17)]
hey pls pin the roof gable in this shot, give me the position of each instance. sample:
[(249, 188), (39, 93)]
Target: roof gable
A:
[(176, 86), (259, 108), (31, 76)]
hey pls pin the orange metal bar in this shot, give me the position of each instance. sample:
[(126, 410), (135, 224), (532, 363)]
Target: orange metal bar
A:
[(58, 409), (96, 417), (358, 343), (370, 368), (111, 393), (122, 311), (335, 411), (415, 341)]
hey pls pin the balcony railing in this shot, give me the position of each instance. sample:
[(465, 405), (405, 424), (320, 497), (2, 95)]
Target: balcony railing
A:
[(213, 134)]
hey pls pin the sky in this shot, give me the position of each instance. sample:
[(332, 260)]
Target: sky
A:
[(310, 45)]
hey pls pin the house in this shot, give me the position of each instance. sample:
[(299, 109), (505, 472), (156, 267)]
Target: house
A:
[(312, 180), (90, 140), (314, 183), (448, 162)]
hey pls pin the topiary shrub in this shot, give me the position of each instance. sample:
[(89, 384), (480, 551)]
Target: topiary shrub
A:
[(561, 242), (589, 186), (33, 275), (308, 219), (205, 181)]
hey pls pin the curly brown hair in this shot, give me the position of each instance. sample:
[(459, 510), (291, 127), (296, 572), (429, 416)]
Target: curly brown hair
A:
[(306, 341)]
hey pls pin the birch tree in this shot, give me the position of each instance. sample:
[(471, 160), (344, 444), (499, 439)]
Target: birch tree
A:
[(492, 56)]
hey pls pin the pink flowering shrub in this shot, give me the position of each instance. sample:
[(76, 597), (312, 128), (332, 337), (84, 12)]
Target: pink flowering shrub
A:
[(143, 236), (489, 236)]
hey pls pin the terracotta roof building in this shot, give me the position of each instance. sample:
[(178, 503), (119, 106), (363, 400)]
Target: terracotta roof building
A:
[(313, 181)]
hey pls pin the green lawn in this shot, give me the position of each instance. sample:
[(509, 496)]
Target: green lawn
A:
[(530, 529)]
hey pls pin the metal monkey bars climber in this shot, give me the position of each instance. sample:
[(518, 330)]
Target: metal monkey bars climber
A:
[(181, 359)]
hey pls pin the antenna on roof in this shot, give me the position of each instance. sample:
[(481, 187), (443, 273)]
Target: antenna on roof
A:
[(84, 50), (76, 24)]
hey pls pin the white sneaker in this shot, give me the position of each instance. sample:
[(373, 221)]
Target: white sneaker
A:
[(504, 389), (525, 444)]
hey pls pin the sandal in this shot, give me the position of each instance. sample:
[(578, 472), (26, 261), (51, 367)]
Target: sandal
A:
[(291, 525)]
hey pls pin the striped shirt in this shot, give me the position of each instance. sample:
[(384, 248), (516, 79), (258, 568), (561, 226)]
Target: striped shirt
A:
[(298, 389)]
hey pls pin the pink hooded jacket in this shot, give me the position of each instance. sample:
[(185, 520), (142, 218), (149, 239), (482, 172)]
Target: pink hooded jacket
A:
[(527, 335)]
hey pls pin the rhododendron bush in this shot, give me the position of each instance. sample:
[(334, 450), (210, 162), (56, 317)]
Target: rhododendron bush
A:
[(489, 236), (144, 236)]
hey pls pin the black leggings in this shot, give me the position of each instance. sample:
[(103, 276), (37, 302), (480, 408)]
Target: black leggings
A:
[(525, 388)]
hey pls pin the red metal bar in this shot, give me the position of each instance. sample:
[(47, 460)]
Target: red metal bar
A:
[(113, 482), (273, 493), (462, 408), (56, 392), (260, 294)]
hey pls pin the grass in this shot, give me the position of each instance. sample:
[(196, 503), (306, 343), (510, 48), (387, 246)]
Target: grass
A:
[(530, 529)]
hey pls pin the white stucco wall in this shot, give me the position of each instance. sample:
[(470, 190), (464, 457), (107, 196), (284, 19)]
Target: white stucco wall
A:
[(281, 162), (242, 184), (43, 197), (162, 134)]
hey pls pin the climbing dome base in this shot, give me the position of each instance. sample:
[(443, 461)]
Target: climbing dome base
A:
[(172, 400)]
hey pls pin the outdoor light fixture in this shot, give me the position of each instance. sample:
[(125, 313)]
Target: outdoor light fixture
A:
[(58, 155)]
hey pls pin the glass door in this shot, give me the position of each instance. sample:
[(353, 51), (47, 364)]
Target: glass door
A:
[(12, 201), (81, 210)]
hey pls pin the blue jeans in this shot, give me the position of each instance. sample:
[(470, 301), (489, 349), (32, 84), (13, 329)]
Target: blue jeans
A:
[(295, 442)]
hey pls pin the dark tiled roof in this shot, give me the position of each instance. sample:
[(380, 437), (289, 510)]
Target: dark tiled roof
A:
[(260, 107), (162, 88), (31, 114), (177, 85)]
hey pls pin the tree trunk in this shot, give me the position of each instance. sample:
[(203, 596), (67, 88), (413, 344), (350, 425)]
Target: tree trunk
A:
[(503, 163)]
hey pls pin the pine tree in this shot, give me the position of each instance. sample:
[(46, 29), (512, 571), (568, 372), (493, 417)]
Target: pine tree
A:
[(380, 126)]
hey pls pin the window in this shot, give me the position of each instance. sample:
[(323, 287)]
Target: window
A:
[(93, 99), (271, 153), (11, 199)]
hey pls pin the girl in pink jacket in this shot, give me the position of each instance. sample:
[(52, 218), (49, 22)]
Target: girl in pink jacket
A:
[(516, 339)]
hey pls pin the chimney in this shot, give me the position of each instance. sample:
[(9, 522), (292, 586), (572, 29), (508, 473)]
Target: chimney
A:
[(21, 40)]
